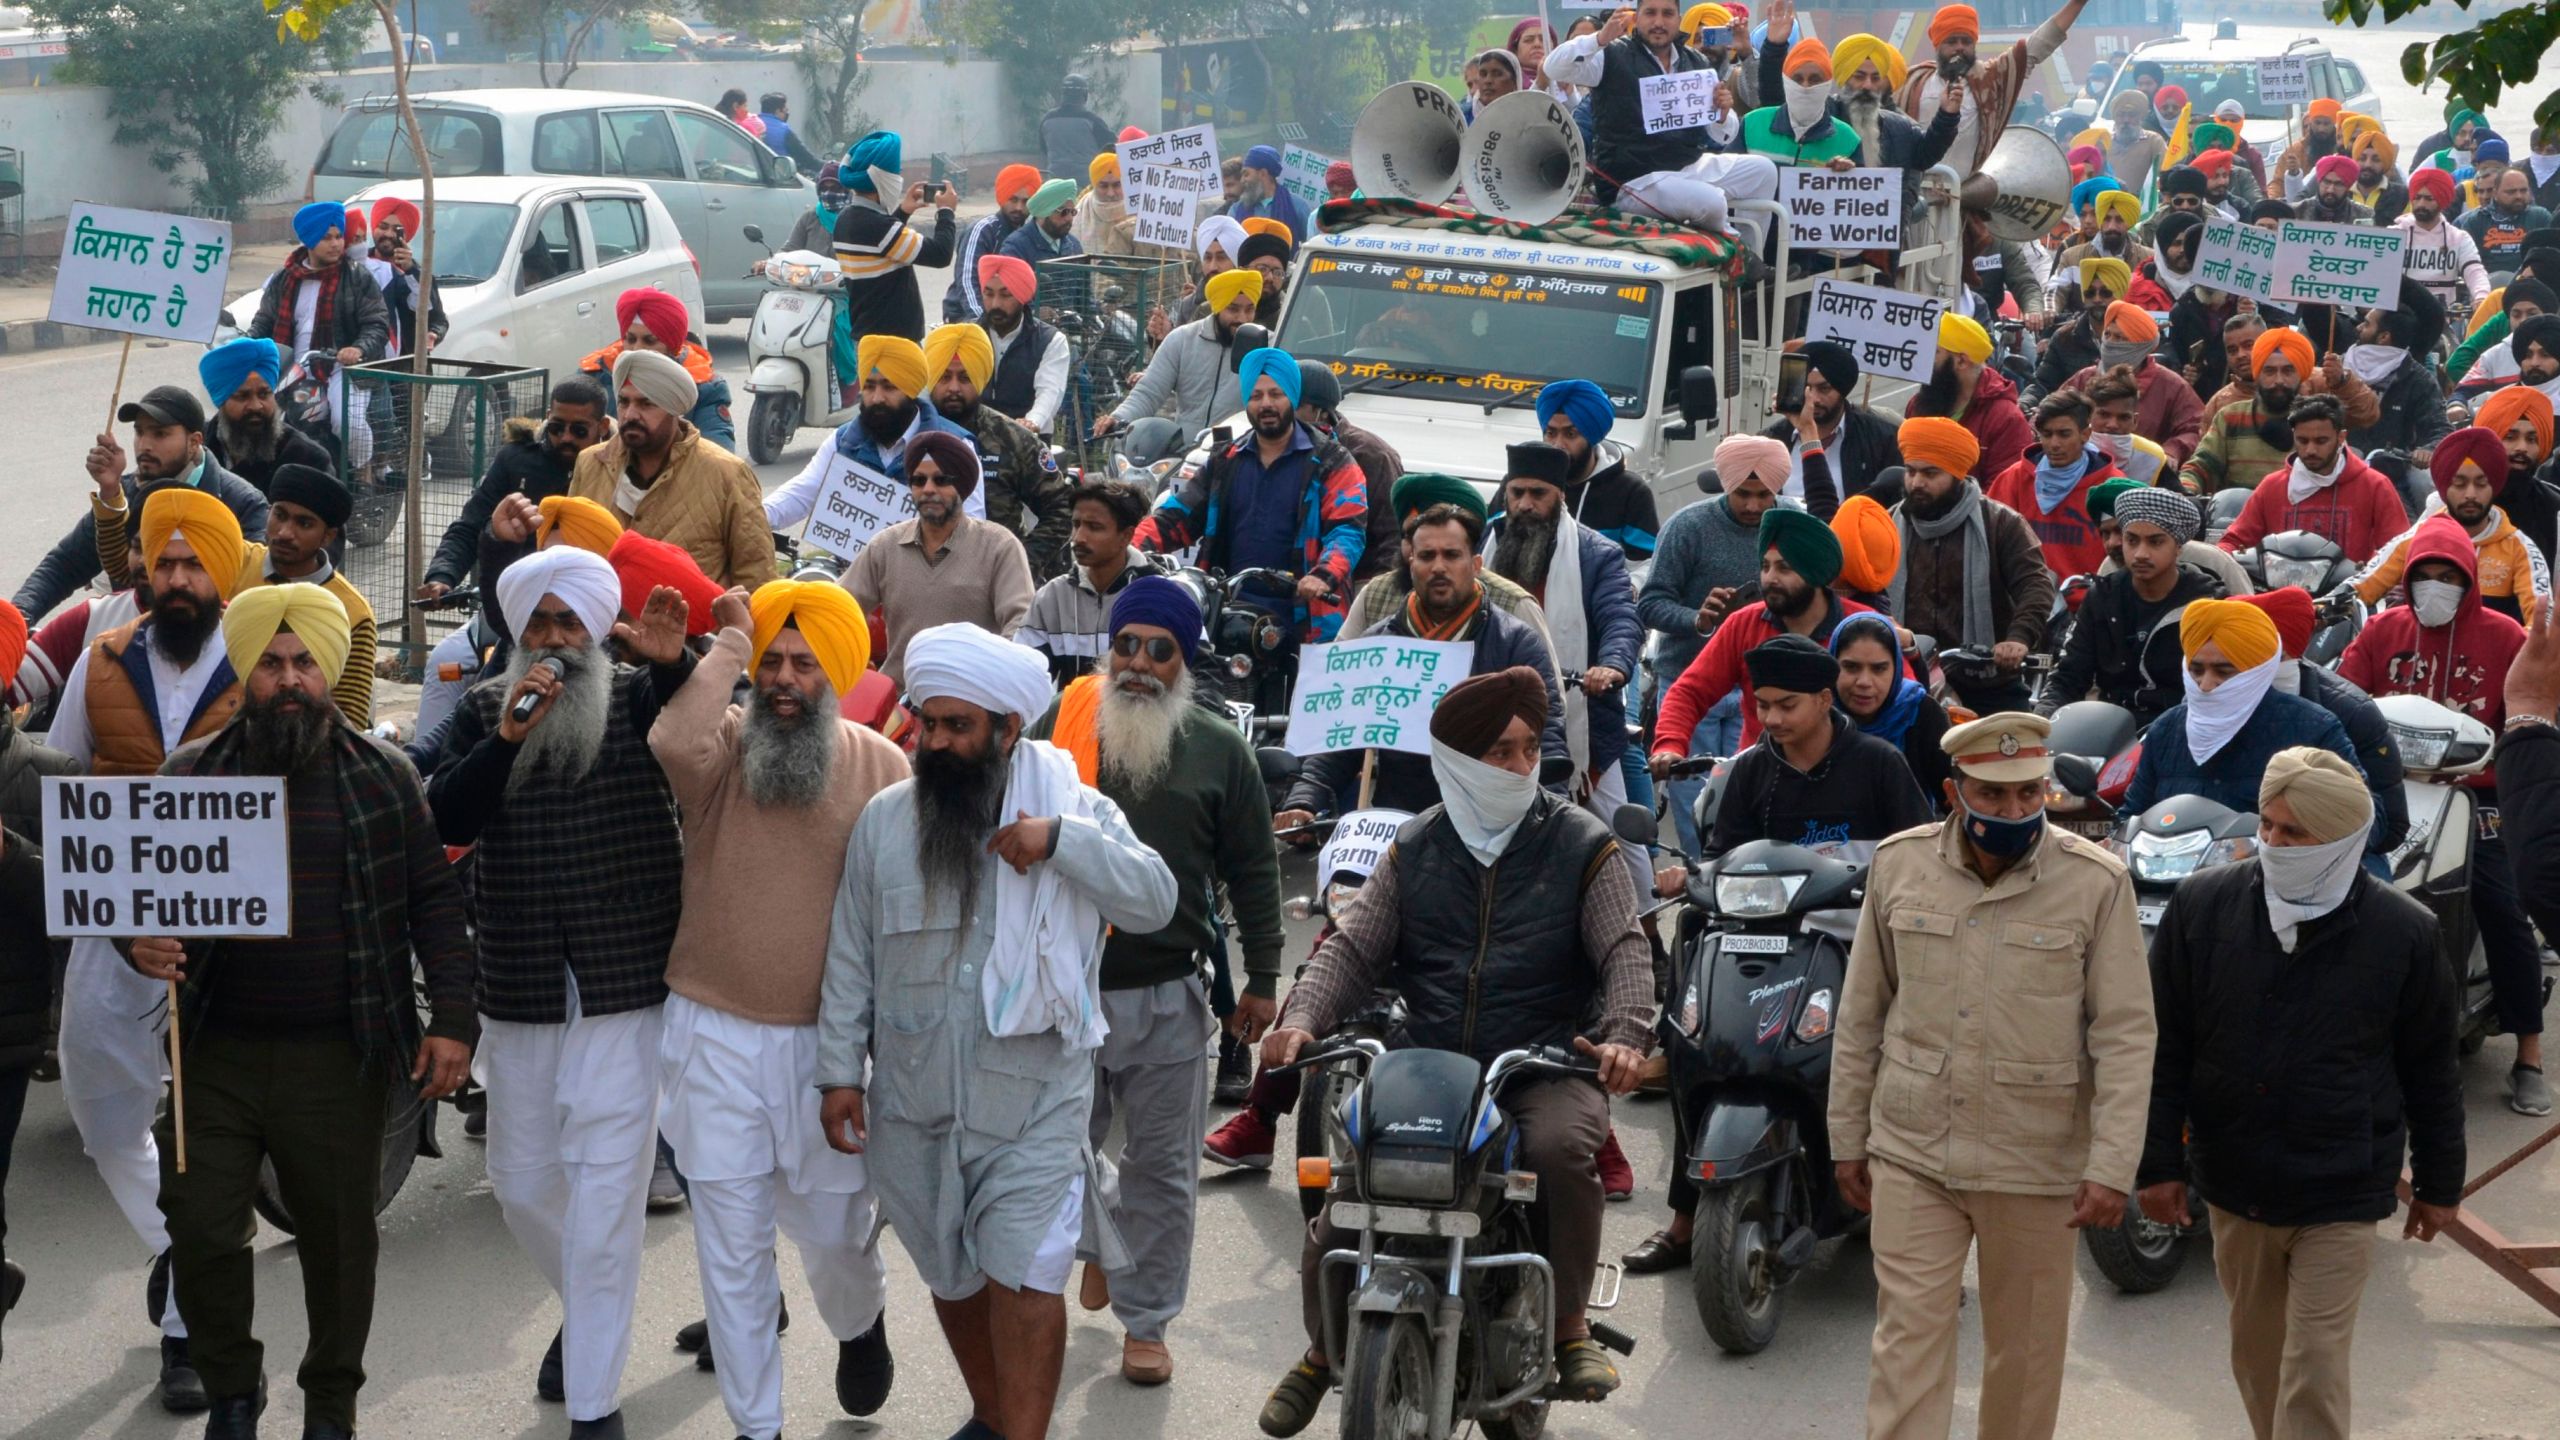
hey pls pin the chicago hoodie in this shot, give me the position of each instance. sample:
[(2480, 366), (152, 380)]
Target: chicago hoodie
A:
[(2462, 666)]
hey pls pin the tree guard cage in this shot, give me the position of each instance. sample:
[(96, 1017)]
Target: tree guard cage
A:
[(1101, 304)]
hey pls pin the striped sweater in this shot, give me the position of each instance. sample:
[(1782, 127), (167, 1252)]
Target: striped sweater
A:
[(879, 250)]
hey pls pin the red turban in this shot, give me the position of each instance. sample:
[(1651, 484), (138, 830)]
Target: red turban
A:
[(1131, 132), (2482, 447), (2290, 607), (643, 564), (13, 641), (2213, 162), (392, 207), (2335, 165), (2169, 99), (1017, 278), (2432, 181), (661, 312), (1954, 20)]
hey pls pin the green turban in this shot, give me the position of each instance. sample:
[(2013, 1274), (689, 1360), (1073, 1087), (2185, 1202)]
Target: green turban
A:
[(1806, 544), (1418, 490), (2102, 498)]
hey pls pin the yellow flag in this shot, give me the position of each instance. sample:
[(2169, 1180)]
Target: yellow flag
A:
[(2181, 139)]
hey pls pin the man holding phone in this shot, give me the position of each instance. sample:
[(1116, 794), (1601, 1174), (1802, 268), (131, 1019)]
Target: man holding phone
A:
[(876, 244), (1848, 444)]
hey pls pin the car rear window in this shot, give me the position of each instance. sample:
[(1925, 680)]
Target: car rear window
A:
[(565, 144), (371, 145), (2210, 82), (621, 227)]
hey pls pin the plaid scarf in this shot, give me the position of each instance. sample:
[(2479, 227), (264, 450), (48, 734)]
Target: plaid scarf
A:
[(324, 312)]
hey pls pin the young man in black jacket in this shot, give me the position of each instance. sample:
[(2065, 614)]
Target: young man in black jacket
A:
[(1858, 443), (2306, 1037), (2124, 608)]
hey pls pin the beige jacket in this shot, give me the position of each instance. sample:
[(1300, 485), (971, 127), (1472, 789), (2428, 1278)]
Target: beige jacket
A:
[(706, 500), (1996, 1038)]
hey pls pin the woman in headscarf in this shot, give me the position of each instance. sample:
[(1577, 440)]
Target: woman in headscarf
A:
[(1884, 701)]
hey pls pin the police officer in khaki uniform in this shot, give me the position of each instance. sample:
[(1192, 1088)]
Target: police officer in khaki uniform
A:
[(1990, 1080)]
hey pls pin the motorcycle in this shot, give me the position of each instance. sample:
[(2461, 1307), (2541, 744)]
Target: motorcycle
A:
[(1451, 1312), (790, 349), (2439, 748), (2094, 745), (1248, 645), (2320, 566)]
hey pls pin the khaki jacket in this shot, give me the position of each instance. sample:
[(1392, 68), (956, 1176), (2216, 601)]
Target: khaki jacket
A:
[(1996, 1038), (707, 500)]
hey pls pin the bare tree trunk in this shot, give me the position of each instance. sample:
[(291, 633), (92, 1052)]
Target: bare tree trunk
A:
[(413, 488)]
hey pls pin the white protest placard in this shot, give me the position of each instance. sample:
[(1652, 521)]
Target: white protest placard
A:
[(149, 855), (1679, 101), (2284, 80), (1894, 333), (142, 272), (2236, 259), (2357, 266), (855, 503), (1302, 175), (1372, 694), (1192, 148), (1359, 840), (1841, 210), (1165, 200)]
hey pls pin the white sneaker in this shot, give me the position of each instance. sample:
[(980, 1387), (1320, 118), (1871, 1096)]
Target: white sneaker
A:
[(664, 1192), (2527, 1092)]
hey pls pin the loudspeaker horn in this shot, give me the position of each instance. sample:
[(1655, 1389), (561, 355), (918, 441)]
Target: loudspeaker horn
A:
[(1407, 144), (2034, 185), (1523, 158)]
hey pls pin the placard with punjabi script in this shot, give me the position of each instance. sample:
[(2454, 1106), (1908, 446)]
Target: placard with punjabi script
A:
[(855, 503), (1193, 147), (1857, 209), (1360, 839), (153, 855), (2284, 80), (2236, 259), (1680, 101), (1894, 333), (1372, 694), (142, 272), (1302, 175), (2356, 266), (1165, 200)]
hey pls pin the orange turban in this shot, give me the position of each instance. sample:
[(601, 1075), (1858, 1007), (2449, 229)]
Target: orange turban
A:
[(1954, 20), (2247, 634), (1936, 440), (1265, 225), (209, 527), (2325, 108), (13, 641), (2499, 413), (2295, 345), (1016, 182), (1870, 545), (1809, 51), (576, 520), (2134, 321)]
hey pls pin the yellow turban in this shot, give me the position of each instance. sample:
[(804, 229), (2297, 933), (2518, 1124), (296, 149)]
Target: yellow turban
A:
[(1703, 17), (575, 520), (1857, 50), (1224, 286), (828, 618), (2245, 632), (968, 343), (2117, 274), (209, 526), (2327, 795), (310, 612), (1809, 51), (1105, 166), (2374, 140), (1963, 335), (894, 358), (2124, 202)]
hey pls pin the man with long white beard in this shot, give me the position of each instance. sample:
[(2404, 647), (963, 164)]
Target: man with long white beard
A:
[(580, 870), (1192, 791), (770, 789), (974, 986)]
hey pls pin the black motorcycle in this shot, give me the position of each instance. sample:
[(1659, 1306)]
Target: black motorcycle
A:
[(2319, 565), (1249, 646)]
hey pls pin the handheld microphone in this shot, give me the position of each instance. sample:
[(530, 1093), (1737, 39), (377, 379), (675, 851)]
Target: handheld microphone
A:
[(525, 704)]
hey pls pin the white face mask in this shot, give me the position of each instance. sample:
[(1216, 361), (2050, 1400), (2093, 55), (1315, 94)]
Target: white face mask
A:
[(2118, 448), (2112, 353), (2289, 677), (1485, 802), (1806, 104), (2436, 601), (2305, 882)]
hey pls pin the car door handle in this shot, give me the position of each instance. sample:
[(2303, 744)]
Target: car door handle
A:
[(586, 307), (715, 204)]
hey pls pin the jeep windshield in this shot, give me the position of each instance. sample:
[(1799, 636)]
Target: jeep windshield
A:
[(1481, 334)]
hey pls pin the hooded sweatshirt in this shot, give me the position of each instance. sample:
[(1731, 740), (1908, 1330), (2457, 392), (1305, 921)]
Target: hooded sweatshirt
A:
[(2360, 510), (2462, 666), (2069, 536), (2512, 575)]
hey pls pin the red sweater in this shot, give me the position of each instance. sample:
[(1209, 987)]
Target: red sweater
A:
[(2168, 415), (2362, 512), (2071, 543), (1718, 671), (1998, 425)]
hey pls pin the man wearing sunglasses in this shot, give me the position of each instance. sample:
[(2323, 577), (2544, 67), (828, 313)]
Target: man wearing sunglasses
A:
[(536, 465), (1192, 791)]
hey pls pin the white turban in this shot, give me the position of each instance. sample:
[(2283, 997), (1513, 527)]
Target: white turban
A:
[(661, 381), (1222, 231), (959, 661), (580, 578)]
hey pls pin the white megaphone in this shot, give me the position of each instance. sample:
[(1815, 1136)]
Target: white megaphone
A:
[(1523, 158), (1406, 144)]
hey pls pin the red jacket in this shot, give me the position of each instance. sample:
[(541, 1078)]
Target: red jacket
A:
[(2362, 512), (1996, 422), (1718, 671), (2462, 666), (2071, 543), (2169, 415)]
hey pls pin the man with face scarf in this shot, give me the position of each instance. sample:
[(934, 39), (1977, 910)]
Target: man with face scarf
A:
[(2391, 357), (2170, 413), (897, 387), (1952, 912), (1509, 885), (2324, 487), (2377, 749), (2134, 149), (2248, 1033), (580, 877), (2216, 743), (1104, 225), (1857, 86), (2447, 645)]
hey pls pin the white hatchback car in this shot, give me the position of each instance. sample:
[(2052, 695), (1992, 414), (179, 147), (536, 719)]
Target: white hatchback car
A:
[(528, 266)]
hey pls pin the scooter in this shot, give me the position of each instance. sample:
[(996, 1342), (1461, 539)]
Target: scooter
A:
[(2091, 741), (790, 345), (1451, 1314), (2439, 748), (2319, 565)]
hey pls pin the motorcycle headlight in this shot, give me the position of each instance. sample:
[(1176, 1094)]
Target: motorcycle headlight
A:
[(2306, 573), (1815, 1022), (2163, 859), (1338, 897), (1756, 897), (2229, 852), (2422, 749)]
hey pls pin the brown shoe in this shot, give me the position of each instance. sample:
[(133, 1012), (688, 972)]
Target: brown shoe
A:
[(1095, 1292), (1145, 1362)]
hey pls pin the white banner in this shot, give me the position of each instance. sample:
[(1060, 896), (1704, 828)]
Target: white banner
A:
[(2354, 266), (154, 856), (855, 503), (1192, 148), (1894, 333), (1302, 175), (1841, 210), (1372, 694), (1166, 202), (142, 272), (2236, 259), (1678, 102), (2284, 80), (1360, 840)]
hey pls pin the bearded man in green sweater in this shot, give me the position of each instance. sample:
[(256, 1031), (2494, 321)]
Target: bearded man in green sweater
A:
[(1192, 791)]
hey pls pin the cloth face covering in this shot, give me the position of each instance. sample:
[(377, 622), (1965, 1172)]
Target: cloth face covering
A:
[(1485, 802), (1807, 104), (2305, 882), (2436, 601), (2215, 716)]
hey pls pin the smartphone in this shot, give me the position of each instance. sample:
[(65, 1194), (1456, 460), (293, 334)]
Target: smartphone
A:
[(941, 169), (1792, 370)]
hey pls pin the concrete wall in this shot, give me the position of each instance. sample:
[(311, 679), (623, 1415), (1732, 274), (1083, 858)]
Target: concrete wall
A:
[(959, 109)]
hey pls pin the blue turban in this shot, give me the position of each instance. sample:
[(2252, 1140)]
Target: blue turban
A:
[(881, 149), (313, 222), (2090, 189), (1157, 601), (1262, 157), (1279, 364), (2489, 147), (226, 365), (1583, 403)]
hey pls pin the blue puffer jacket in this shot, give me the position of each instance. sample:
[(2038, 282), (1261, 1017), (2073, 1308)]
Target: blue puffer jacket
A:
[(2231, 777)]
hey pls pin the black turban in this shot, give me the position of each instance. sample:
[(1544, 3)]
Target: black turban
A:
[(1835, 362), (1791, 662), (317, 491)]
